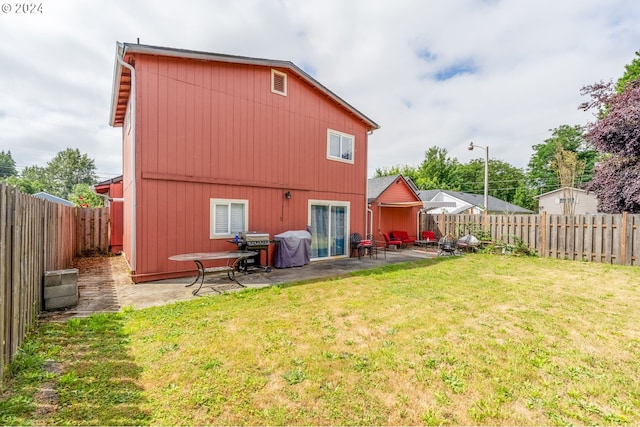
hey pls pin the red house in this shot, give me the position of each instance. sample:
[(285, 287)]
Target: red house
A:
[(214, 145)]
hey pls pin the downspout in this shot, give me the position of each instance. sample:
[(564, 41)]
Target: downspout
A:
[(134, 204), (369, 225)]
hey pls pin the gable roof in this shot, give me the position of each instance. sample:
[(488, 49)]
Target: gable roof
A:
[(559, 190), (495, 204), (122, 76), (377, 186), (52, 198)]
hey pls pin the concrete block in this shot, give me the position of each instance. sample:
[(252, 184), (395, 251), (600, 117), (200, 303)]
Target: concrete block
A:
[(60, 289), (60, 302)]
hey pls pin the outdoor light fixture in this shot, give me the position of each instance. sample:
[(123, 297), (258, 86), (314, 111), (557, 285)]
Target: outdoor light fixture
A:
[(486, 173), (287, 194)]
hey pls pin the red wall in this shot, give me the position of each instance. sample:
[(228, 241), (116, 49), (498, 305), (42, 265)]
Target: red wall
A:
[(215, 130)]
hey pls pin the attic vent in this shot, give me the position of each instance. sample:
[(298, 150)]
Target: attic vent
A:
[(278, 82)]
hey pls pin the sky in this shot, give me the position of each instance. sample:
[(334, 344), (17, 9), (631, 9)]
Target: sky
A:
[(500, 73)]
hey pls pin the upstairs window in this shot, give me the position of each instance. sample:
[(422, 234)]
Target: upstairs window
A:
[(278, 82), (339, 146)]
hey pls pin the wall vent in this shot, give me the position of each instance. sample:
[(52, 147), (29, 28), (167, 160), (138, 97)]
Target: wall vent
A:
[(278, 82)]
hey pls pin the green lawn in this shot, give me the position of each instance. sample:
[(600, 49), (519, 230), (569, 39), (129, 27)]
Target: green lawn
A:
[(477, 339)]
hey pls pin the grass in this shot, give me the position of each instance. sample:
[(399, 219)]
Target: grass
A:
[(473, 340)]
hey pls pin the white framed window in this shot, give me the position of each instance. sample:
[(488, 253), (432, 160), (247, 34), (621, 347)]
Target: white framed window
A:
[(278, 82), (228, 217), (340, 146)]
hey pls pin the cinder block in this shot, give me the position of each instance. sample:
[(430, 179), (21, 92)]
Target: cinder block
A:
[(60, 289), (60, 302)]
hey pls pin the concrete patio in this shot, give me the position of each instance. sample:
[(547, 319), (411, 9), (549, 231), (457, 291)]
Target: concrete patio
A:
[(104, 285)]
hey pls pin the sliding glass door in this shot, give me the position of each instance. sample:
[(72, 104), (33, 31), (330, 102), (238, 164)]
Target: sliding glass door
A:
[(329, 228)]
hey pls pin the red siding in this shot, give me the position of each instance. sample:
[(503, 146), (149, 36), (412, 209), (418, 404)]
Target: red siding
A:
[(215, 130)]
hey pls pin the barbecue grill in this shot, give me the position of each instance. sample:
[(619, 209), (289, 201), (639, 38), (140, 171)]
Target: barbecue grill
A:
[(256, 242)]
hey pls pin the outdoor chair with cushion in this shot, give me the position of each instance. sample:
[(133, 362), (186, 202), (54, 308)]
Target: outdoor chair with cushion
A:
[(360, 245), (388, 241)]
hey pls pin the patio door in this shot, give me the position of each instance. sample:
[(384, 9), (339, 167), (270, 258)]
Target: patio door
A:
[(329, 229)]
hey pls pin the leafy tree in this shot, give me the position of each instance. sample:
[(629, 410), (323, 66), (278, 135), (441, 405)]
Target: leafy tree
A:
[(82, 195), (406, 171), (67, 169), (631, 74), (616, 134), (541, 175), (25, 185), (504, 180), (437, 171), (7, 165)]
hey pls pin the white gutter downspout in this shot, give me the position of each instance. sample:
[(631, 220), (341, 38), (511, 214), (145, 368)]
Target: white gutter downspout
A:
[(132, 96)]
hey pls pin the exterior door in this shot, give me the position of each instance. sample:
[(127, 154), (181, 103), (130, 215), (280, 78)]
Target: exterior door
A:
[(329, 229)]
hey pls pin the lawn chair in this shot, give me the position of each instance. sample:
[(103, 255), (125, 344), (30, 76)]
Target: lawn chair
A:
[(448, 245), (360, 245), (388, 241)]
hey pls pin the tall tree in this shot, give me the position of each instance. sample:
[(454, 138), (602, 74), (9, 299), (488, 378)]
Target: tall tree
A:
[(67, 169), (567, 167), (541, 175), (437, 171), (616, 135), (7, 165)]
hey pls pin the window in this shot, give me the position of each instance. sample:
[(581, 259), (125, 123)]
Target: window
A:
[(278, 82), (228, 217), (339, 146)]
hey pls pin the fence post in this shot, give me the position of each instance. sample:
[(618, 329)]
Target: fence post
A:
[(623, 240), (543, 234)]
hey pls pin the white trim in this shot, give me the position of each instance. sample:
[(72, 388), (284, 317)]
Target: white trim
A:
[(347, 227), (341, 135), (212, 216), (275, 73)]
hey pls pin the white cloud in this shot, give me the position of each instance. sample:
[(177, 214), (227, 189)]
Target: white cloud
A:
[(509, 70)]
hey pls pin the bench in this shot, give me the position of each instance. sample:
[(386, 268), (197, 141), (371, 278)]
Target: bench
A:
[(404, 237)]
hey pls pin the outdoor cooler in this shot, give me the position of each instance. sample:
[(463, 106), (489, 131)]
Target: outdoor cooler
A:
[(293, 249)]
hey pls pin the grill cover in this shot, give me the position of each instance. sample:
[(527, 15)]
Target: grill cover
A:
[(293, 249)]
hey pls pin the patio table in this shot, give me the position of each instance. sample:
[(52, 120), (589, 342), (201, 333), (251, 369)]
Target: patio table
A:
[(232, 258), (426, 242)]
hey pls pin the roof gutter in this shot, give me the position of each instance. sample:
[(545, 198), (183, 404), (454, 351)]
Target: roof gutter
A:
[(132, 96)]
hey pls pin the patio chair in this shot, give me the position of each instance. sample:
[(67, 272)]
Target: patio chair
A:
[(360, 245), (373, 250), (448, 245), (388, 241)]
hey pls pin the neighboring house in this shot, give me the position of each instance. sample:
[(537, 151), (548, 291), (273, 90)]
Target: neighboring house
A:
[(113, 192), (467, 203), (217, 144), (52, 198), (393, 205), (568, 201)]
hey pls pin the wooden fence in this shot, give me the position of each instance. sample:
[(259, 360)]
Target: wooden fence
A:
[(37, 236), (613, 239)]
